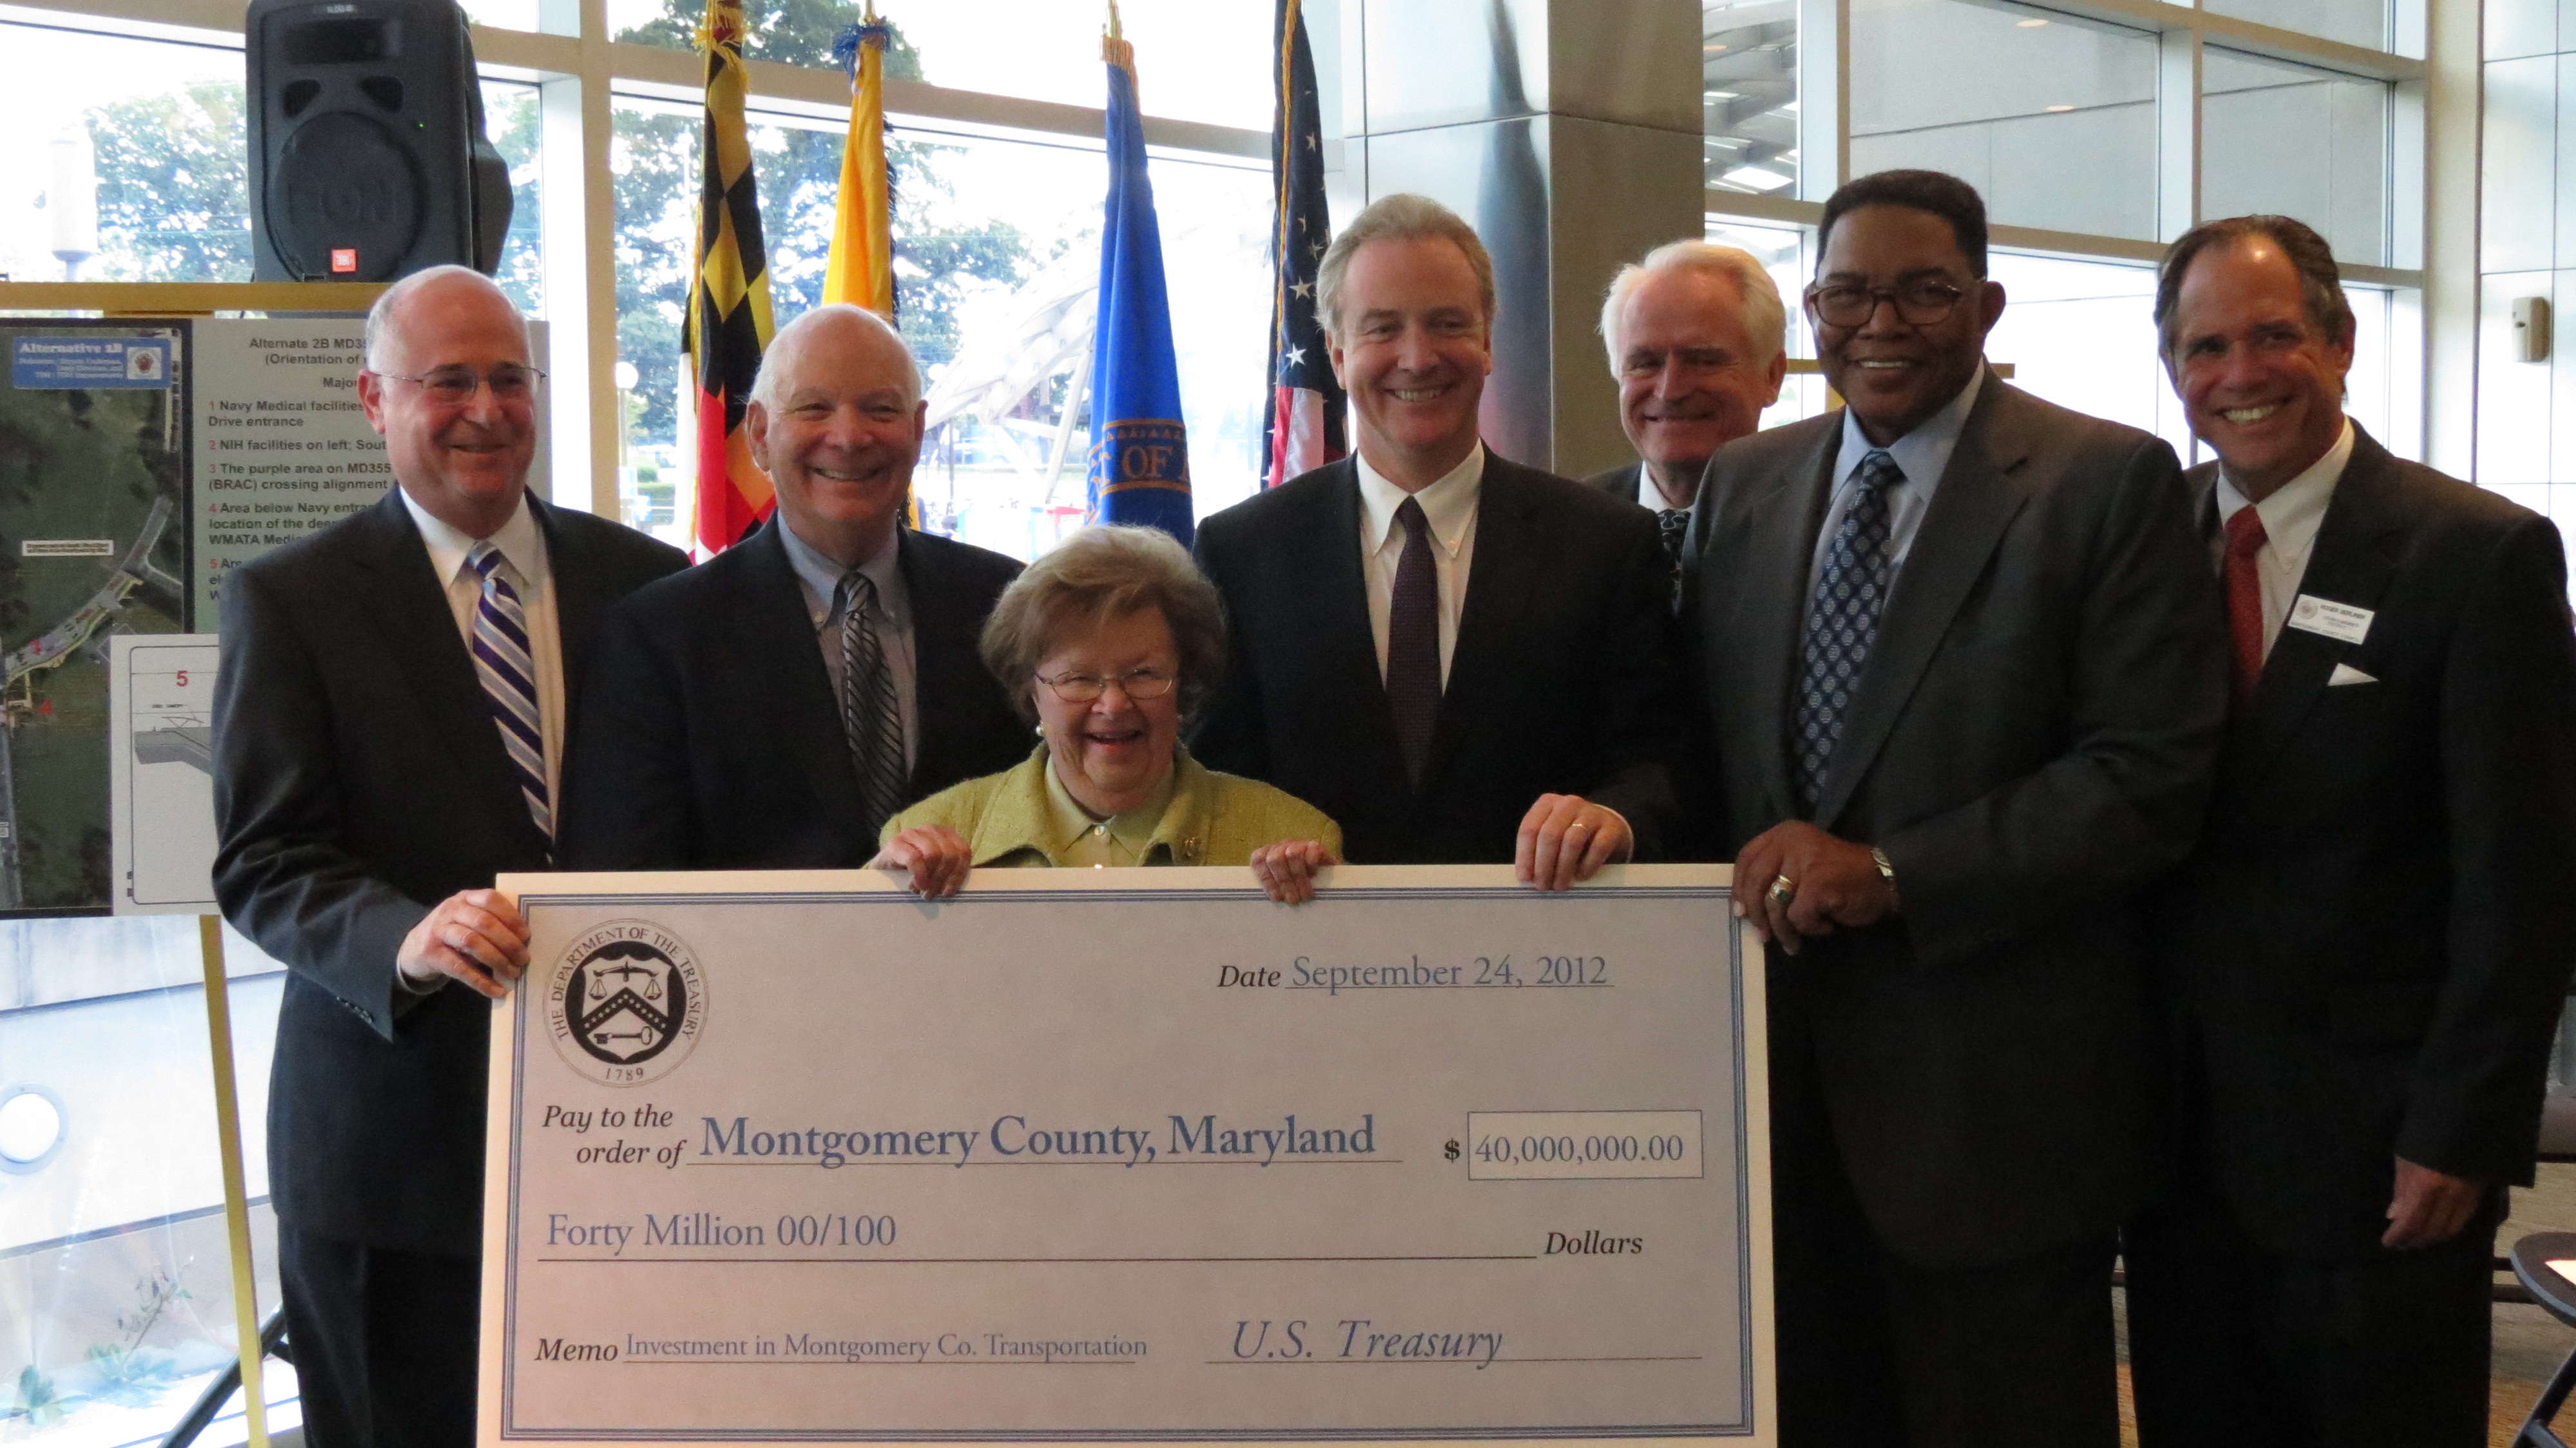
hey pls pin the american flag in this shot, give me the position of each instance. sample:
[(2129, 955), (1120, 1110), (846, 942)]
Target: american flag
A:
[(1304, 430)]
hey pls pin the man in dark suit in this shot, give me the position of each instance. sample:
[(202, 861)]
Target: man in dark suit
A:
[(1457, 658), (1961, 652), (770, 708), (2364, 961), (388, 730), (1698, 342)]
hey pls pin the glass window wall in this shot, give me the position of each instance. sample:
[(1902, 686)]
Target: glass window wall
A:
[(1749, 94), (2051, 118), (152, 130), (2297, 141), (997, 247), (2354, 22), (116, 1286), (1195, 61), (2083, 335)]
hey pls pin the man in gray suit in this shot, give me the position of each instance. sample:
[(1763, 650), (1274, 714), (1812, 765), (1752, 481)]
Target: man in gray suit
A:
[(1963, 657), (1698, 342)]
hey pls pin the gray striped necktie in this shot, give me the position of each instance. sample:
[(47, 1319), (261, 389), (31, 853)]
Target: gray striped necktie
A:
[(870, 719), (507, 667)]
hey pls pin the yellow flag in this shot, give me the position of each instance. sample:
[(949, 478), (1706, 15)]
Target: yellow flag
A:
[(861, 268)]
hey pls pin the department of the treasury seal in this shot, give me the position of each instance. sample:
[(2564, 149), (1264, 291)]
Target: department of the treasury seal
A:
[(625, 1003)]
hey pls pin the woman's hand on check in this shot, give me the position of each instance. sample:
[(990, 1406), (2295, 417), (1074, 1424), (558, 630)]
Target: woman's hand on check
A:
[(1287, 869), (935, 855)]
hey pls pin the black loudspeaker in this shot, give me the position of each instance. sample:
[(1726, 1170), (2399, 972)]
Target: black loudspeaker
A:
[(368, 159)]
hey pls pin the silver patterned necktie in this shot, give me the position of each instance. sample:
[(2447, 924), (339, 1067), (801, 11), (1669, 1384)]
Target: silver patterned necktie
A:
[(1842, 624), (1672, 526), (507, 668), (870, 720)]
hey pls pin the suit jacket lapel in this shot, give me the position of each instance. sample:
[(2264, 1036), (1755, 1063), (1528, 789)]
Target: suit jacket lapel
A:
[(1328, 552), (1770, 617), (945, 665), (578, 603), (2347, 564), (773, 636), (1509, 561), (1976, 499), (411, 611)]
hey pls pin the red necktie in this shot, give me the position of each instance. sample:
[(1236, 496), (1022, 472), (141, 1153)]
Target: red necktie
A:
[(2245, 599)]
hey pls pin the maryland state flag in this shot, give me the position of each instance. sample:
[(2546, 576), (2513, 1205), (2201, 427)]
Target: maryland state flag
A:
[(861, 268), (1140, 456), (1304, 427), (729, 320)]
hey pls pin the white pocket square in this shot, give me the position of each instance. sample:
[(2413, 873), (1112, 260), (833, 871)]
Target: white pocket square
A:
[(2347, 674)]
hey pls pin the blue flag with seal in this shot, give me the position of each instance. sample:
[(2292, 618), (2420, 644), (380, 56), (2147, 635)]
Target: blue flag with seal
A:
[(1140, 454)]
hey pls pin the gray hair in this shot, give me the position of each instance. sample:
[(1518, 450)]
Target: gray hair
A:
[(1097, 574), (1400, 217), (2320, 280), (764, 387), (1766, 317), (380, 316)]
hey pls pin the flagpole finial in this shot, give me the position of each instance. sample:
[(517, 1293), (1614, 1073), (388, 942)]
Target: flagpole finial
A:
[(872, 33)]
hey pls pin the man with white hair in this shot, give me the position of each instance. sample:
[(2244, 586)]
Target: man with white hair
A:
[(1697, 337), (770, 708), (389, 727)]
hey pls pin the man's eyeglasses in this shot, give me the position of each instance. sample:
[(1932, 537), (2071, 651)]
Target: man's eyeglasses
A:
[(1918, 304), (1147, 683), (456, 386)]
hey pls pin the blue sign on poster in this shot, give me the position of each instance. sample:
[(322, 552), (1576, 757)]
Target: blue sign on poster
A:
[(55, 362)]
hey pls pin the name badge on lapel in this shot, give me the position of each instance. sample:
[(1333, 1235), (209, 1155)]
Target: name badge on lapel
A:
[(2334, 620)]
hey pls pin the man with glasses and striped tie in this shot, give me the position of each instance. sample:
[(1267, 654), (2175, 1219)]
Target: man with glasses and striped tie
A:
[(389, 727)]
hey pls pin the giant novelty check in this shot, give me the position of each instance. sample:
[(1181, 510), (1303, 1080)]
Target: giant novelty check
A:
[(1128, 1155)]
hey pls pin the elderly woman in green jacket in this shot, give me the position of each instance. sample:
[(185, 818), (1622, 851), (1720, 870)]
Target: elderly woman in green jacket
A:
[(1104, 643)]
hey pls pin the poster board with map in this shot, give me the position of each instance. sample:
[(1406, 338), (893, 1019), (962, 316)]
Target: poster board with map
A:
[(94, 542)]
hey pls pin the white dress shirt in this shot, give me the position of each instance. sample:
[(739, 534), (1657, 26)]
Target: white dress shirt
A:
[(2291, 515), (819, 579), (1922, 455), (524, 565), (1449, 506)]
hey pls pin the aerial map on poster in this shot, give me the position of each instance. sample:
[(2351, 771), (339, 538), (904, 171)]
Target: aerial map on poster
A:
[(93, 486)]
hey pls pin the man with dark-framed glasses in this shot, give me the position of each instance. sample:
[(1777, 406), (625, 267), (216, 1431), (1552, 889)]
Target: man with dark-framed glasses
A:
[(389, 727), (1962, 655)]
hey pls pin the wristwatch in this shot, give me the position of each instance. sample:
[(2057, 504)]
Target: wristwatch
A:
[(1886, 868)]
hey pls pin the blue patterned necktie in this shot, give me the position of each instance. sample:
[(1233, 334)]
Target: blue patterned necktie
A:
[(871, 720), (1842, 624), (508, 668)]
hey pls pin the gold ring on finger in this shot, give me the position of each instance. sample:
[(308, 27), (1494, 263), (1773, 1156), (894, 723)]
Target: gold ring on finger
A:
[(1783, 890)]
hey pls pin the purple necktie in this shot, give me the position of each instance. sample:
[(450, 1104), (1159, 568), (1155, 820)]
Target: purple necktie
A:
[(1413, 642)]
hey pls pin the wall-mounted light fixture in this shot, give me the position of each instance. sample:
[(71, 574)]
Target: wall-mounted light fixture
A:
[(31, 1128)]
